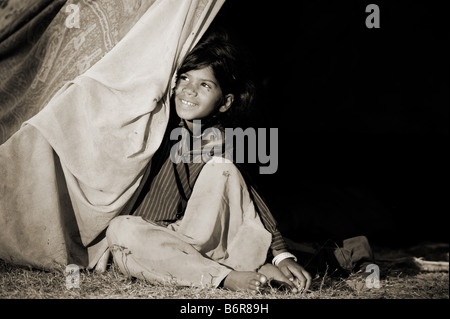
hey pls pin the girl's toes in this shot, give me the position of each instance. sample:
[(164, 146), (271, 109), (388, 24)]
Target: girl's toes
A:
[(262, 279)]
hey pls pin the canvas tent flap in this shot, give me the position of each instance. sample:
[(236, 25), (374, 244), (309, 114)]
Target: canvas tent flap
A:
[(71, 167), (49, 42)]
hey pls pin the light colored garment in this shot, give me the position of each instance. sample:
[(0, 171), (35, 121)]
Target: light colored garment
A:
[(71, 168), (220, 231)]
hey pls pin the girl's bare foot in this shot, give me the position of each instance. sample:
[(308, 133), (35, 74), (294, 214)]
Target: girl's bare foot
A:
[(244, 281), (276, 278)]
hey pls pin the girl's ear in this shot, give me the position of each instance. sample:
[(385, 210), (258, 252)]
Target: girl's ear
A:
[(229, 98)]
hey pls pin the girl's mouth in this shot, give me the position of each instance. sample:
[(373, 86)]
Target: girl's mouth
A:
[(187, 103)]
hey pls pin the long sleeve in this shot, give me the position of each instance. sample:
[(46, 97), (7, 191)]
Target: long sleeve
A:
[(268, 220)]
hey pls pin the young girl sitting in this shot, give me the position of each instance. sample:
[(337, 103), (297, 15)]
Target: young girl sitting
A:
[(195, 220)]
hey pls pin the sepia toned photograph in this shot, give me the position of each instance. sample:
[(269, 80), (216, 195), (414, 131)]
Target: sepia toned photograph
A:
[(222, 157)]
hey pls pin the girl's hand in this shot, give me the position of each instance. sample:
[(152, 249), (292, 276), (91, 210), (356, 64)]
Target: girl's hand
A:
[(296, 274)]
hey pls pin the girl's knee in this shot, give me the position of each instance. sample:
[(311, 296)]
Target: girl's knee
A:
[(119, 228), (134, 231)]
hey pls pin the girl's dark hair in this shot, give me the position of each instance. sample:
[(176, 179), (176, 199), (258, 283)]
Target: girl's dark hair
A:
[(231, 69)]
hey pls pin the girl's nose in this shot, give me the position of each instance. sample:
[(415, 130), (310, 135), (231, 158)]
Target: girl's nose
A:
[(190, 89)]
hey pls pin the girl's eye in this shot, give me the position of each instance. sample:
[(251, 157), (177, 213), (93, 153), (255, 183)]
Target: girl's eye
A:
[(206, 85), (184, 78)]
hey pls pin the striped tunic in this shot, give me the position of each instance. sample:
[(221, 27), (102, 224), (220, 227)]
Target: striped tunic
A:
[(165, 189)]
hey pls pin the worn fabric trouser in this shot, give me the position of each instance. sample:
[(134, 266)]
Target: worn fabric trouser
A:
[(220, 232)]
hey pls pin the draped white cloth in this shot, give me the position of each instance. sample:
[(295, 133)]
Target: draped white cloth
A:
[(70, 169)]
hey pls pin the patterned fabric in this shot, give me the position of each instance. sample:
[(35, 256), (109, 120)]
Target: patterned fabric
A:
[(167, 189), (47, 43)]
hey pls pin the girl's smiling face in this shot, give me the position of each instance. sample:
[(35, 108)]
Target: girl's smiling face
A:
[(198, 95)]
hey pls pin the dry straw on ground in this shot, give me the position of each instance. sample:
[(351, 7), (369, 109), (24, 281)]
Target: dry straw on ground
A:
[(397, 281)]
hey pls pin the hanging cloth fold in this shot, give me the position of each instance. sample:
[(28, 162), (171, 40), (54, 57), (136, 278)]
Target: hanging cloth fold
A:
[(72, 167)]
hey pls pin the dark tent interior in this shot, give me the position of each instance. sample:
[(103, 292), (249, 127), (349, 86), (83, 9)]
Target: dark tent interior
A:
[(362, 115)]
